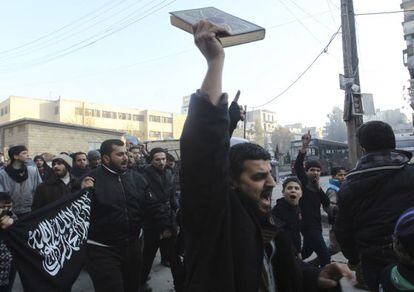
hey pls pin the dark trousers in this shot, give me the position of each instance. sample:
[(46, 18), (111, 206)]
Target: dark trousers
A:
[(115, 268), (372, 272), (313, 242), (152, 242)]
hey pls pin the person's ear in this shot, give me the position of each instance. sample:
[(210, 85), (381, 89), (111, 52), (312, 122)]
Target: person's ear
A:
[(106, 159)]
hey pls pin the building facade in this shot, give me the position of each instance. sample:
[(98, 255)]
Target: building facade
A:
[(144, 124)]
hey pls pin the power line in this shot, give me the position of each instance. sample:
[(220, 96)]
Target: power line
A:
[(325, 49), (383, 12), (98, 37), (58, 30), (314, 18), (82, 30), (301, 23)]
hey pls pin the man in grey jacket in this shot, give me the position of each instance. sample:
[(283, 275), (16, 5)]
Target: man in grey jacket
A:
[(19, 180)]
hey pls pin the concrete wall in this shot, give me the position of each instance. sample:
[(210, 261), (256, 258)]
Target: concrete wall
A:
[(55, 139), (41, 138)]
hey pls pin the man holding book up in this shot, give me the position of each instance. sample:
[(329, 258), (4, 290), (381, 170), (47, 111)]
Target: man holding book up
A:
[(232, 243)]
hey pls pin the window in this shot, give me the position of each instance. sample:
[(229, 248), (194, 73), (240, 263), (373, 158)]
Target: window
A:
[(109, 115), (122, 116), (92, 112), (138, 118), (156, 119), (167, 120), (79, 111), (56, 110), (1, 112), (21, 128), (155, 134), (6, 110)]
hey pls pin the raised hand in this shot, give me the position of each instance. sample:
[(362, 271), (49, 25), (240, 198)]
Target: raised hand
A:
[(306, 139), (241, 109), (205, 37)]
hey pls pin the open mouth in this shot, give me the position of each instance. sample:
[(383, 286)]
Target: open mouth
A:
[(293, 197)]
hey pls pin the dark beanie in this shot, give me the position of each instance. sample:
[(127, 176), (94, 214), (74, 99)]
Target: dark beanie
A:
[(312, 163), (16, 150), (404, 230), (155, 151)]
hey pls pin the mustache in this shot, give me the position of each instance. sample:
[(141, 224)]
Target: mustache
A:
[(266, 193)]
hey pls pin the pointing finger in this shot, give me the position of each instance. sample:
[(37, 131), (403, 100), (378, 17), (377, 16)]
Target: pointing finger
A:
[(236, 98)]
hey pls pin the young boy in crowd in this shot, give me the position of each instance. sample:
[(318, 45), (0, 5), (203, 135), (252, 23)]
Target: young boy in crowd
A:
[(338, 175), (400, 276), (7, 271), (287, 209)]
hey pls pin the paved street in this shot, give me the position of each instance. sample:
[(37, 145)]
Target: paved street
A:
[(161, 280)]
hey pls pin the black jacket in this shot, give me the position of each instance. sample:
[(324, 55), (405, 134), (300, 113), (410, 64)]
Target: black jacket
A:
[(116, 215), (224, 246), (371, 199), (51, 190), (292, 217), (312, 199), (159, 203)]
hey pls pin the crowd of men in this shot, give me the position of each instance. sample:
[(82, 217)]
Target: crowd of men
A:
[(214, 223)]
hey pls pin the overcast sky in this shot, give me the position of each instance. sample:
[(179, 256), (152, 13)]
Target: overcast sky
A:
[(126, 53)]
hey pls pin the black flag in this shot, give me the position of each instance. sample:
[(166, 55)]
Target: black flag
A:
[(49, 244)]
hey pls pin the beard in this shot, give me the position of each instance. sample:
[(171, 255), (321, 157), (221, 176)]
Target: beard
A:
[(61, 174)]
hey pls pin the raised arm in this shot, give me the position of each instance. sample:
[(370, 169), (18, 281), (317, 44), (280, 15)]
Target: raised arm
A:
[(205, 142), (205, 38), (299, 169)]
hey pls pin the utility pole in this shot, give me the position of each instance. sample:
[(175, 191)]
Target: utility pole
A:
[(352, 98)]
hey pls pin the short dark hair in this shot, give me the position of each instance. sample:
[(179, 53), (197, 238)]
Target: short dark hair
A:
[(170, 157), (312, 163), (336, 169), (134, 147), (239, 153), (155, 151), (107, 146), (291, 179), (76, 154), (375, 136)]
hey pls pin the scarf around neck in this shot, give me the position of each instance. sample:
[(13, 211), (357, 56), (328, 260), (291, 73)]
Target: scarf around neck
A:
[(18, 175)]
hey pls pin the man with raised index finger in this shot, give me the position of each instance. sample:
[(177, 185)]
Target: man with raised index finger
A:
[(231, 242)]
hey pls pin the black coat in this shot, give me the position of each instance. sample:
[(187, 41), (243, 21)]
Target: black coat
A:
[(292, 218), (224, 246), (159, 203), (51, 190), (371, 199), (116, 215), (312, 199)]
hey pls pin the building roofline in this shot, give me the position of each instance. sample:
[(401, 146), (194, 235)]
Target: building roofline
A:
[(57, 124)]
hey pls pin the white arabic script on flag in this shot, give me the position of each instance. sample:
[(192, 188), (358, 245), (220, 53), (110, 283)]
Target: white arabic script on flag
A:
[(57, 238)]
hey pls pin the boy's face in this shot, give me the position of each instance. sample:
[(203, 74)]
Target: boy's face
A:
[(314, 174), (292, 193), (5, 206), (340, 175)]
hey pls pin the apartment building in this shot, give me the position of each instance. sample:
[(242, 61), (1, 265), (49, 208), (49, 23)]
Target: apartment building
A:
[(144, 124)]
